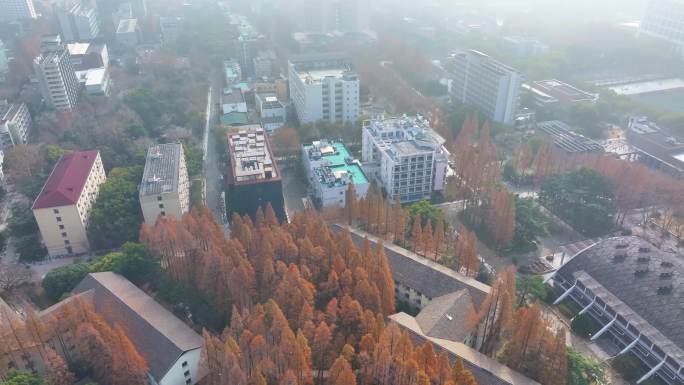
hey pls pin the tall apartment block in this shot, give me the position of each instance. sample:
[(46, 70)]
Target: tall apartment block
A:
[(54, 70), (4, 62), (324, 87), (664, 19), (77, 20), (405, 156), (480, 81), (15, 122), (14, 10), (63, 206), (165, 187), (254, 179)]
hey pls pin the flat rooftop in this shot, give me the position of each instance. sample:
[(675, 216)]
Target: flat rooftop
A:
[(568, 140), (320, 74), (563, 91), (404, 136), (250, 156), (127, 26), (161, 169), (339, 165)]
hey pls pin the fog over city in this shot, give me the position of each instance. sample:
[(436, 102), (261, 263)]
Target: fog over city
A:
[(341, 192)]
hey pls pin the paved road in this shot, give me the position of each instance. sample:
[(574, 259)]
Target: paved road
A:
[(213, 186)]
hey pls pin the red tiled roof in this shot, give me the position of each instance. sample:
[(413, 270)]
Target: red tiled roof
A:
[(66, 181)]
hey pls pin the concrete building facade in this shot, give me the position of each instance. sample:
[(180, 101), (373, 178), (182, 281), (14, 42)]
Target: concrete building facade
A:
[(58, 83), (485, 83), (15, 123), (254, 179), (15, 10), (272, 112), (165, 187), (4, 62), (330, 170), (664, 20), (406, 156), (323, 87), (77, 21), (62, 209), (128, 33), (86, 55)]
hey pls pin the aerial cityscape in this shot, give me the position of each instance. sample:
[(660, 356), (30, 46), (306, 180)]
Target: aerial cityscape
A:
[(341, 192)]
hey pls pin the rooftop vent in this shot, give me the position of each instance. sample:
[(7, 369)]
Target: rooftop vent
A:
[(644, 249), (643, 259), (666, 275), (663, 290), (641, 272), (619, 257), (667, 264)]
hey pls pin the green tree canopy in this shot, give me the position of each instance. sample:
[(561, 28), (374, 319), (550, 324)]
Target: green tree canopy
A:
[(583, 199), (132, 262), (64, 279), (23, 378), (427, 211), (148, 105), (22, 227), (531, 223), (116, 215)]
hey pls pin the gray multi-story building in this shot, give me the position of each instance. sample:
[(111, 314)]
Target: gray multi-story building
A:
[(4, 62), (406, 156), (491, 86), (14, 10), (324, 87), (664, 20), (165, 187), (635, 293), (54, 70), (77, 20), (15, 122)]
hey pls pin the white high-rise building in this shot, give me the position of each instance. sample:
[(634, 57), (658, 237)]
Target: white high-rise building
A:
[(480, 81), (13, 10), (405, 156), (165, 187), (4, 62), (15, 122), (53, 68), (324, 87), (664, 19), (77, 21)]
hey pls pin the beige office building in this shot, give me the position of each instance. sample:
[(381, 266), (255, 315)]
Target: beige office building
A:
[(63, 207), (165, 188)]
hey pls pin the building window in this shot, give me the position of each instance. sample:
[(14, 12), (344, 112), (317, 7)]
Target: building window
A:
[(187, 373), (66, 241), (59, 219), (185, 364), (188, 381), (159, 198), (56, 211), (61, 227), (64, 235), (163, 213), (161, 205)]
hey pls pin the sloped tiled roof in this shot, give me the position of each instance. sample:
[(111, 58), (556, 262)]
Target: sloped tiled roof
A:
[(422, 274), (66, 181), (157, 334), (643, 282), (486, 370), (446, 317)]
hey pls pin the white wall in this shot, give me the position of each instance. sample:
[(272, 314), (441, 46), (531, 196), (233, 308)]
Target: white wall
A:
[(52, 234), (176, 376)]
